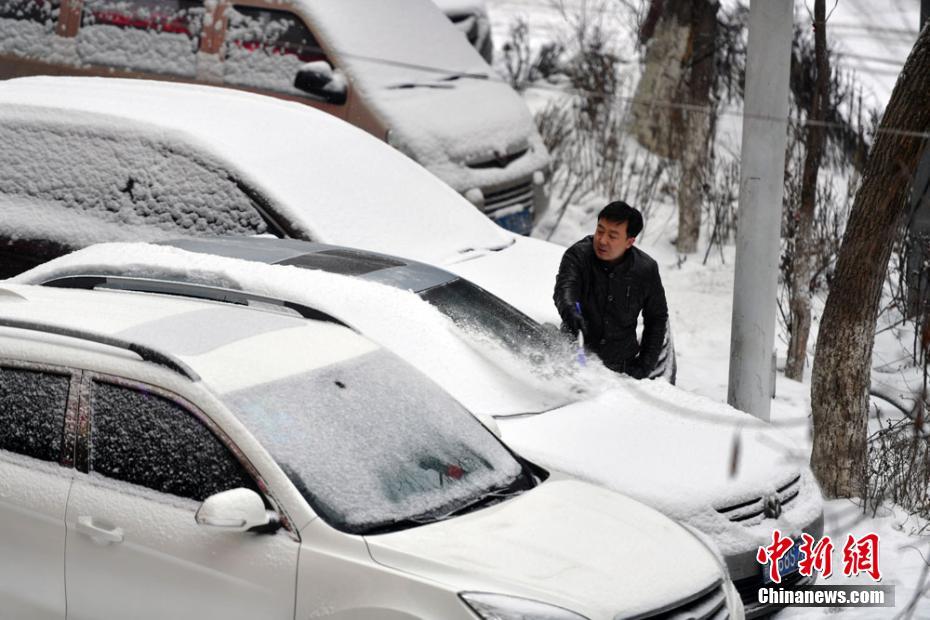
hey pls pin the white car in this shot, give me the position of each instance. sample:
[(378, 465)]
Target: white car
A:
[(666, 447), (175, 458)]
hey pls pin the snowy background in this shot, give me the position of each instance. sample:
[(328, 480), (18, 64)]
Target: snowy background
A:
[(873, 39)]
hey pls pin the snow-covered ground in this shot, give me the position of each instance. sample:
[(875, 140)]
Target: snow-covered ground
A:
[(874, 40)]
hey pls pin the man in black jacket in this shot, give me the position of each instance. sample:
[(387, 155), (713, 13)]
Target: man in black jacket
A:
[(603, 285)]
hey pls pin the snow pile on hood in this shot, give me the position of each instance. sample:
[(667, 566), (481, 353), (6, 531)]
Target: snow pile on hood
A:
[(675, 451)]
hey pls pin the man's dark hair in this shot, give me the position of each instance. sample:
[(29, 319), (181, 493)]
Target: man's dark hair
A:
[(619, 212)]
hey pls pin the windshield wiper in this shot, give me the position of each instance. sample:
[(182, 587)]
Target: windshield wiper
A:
[(440, 82), (494, 496)]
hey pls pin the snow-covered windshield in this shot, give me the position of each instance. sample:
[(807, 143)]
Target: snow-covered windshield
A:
[(374, 446), (391, 45), (528, 351)]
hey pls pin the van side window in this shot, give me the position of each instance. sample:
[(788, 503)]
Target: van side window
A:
[(41, 11), (145, 439), (27, 29), (32, 412), (158, 36), (265, 48), (79, 183)]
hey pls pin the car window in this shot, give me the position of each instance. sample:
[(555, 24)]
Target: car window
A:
[(116, 177), (540, 354), (160, 36), (372, 444), (32, 412), (145, 439), (265, 48), (41, 11), (27, 28)]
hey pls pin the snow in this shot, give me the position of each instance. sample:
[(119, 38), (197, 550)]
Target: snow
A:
[(166, 53), (32, 407), (169, 450), (31, 39), (25, 218), (644, 561), (682, 446), (119, 174)]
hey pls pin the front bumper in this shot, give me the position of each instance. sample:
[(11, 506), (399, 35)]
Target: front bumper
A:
[(746, 573)]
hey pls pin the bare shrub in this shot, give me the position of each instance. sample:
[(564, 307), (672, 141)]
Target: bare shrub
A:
[(899, 458), (522, 65), (721, 207)]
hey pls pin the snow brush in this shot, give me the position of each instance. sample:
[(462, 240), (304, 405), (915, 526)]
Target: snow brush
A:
[(582, 359)]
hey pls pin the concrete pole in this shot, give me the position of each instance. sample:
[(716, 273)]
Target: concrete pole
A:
[(762, 173)]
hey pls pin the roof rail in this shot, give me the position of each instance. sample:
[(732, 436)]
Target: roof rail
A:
[(187, 289), (145, 352)]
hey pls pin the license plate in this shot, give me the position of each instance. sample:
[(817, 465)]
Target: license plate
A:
[(787, 563), (520, 222)]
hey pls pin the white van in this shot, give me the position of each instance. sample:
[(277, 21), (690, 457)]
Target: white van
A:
[(399, 70)]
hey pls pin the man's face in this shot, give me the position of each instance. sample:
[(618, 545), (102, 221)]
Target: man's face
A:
[(610, 240)]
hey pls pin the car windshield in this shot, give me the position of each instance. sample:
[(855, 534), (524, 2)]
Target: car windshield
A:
[(374, 446), (541, 352)]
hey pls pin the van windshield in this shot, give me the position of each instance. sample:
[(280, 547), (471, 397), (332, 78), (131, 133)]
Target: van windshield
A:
[(391, 46), (374, 446)]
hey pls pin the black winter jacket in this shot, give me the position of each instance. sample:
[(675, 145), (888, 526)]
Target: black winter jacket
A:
[(612, 298)]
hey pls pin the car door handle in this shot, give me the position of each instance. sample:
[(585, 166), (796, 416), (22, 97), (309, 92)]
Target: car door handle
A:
[(100, 535)]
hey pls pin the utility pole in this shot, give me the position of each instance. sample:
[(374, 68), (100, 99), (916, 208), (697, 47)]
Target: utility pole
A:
[(762, 170)]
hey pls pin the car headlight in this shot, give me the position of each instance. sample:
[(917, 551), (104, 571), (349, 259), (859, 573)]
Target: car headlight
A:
[(503, 607)]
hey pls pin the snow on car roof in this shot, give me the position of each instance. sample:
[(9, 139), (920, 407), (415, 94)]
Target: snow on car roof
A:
[(331, 181), (230, 347)]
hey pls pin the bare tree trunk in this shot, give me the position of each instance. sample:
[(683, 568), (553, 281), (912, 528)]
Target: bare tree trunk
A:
[(800, 294), (697, 131), (654, 122), (842, 362)]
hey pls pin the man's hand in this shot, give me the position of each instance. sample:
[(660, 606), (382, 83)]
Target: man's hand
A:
[(578, 325), (635, 368)]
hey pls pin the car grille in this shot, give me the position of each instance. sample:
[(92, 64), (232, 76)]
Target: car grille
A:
[(709, 604), (520, 196), (752, 511)]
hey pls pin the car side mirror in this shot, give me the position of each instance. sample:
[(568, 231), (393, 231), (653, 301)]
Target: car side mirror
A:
[(489, 423), (236, 510), (320, 79)]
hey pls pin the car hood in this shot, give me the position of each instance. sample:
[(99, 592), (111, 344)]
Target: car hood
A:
[(470, 132), (522, 274), (566, 543), (681, 453)]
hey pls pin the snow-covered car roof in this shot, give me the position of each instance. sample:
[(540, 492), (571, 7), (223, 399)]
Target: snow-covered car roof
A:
[(330, 181), (220, 343)]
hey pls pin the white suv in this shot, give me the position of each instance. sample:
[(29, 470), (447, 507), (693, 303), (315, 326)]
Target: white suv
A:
[(164, 457)]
